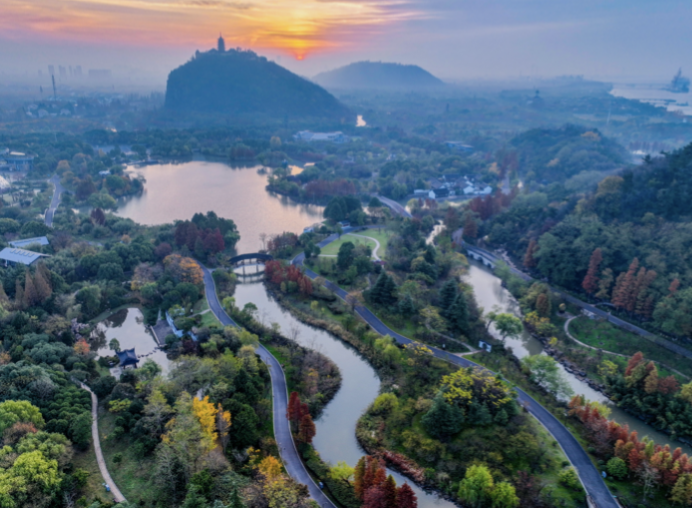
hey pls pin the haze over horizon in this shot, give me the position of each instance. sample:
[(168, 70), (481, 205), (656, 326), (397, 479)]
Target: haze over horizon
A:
[(143, 40)]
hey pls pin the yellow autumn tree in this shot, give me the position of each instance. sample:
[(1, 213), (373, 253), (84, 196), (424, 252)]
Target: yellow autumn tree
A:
[(206, 414), (183, 269), (270, 468)]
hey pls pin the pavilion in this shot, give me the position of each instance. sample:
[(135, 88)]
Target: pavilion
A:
[(127, 358)]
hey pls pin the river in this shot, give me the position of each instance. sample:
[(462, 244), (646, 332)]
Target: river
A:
[(489, 293), (178, 191), (336, 428)]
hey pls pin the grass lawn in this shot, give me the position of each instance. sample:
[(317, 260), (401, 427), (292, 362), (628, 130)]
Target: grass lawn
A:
[(333, 248), (381, 235), (611, 338), (94, 489), (208, 319), (133, 475)]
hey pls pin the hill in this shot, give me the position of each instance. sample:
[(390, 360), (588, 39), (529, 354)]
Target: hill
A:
[(378, 75), (241, 83)]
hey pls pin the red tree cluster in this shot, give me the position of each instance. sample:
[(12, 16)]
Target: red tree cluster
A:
[(278, 242), (187, 233), (618, 440), (320, 189), (298, 414), (590, 283), (377, 490), (646, 375), (491, 204), (278, 273), (631, 291)]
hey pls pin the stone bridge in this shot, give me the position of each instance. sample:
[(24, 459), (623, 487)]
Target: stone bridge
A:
[(257, 257)]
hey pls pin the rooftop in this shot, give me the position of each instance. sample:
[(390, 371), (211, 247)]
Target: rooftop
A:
[(25, 242), (14, 255), (127, 357)]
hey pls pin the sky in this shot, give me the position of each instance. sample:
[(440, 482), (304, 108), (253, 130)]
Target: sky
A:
[(142, 40)]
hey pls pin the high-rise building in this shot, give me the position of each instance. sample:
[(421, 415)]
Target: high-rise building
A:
[(51, 70), (63, 71), (221, 45)]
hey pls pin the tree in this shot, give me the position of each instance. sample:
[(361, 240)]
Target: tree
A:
[(81, 347), (306, 429), (41, 285), (682, 491), (359, 478), (458, 314), (470, 226), (270, 467), (476, 487), (342, 471), (508, 325), (30, 293), (13, 411), (344, 258), (590, 282), (545, 372), (405, 497), (503, 495), (617, 467), (206, 414), (604, 284), (442, 420), (157, 413), (114, 345), (543, 306)]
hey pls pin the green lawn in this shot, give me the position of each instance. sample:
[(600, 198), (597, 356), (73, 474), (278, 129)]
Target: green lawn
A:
[(605, 336), (333, 248), (382, 236), (94, 488)]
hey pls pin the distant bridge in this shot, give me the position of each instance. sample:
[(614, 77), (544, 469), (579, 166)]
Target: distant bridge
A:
[(257, 257), (481, 256)]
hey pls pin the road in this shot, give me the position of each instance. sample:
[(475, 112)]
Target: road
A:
[(282, 431), (117, 495), (398, 209), (588, 473), (55, 201), (591, 308)]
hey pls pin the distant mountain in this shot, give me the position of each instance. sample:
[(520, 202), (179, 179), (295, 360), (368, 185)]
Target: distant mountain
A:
[(378, 75), (243, 84)]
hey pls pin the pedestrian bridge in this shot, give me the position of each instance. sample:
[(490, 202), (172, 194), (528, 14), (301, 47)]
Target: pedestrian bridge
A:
[(473, 254), (251, 259)]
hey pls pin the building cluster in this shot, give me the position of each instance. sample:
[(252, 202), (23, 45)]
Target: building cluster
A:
[(15, 161), (450, 187), (331, 137)]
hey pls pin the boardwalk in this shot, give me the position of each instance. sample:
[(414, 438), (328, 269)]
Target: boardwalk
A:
[(117, 495), (589, 475), (282, 431)]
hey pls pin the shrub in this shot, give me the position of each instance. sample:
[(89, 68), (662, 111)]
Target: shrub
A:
[(616, 467), (569, 478)]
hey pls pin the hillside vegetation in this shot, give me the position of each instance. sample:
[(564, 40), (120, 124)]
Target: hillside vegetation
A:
[(243, 84), (378, 75)]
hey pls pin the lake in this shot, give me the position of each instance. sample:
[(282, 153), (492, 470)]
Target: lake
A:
[(178, 191)]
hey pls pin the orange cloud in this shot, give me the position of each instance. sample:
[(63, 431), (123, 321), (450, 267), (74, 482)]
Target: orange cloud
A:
[(298, 27)]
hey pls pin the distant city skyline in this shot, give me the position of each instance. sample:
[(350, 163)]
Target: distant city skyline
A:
[(142, 40)]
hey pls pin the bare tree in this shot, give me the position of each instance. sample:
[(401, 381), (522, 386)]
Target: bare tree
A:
[(263, 239), (648, 475)]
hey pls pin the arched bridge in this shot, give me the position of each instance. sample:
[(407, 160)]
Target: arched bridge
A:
[(257, 257), (480, 256)]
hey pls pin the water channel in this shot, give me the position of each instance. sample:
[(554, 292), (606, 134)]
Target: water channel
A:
[(178, 191), (489, 293), (336, 437)]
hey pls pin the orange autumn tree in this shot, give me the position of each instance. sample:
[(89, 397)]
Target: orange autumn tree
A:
[(270, 468), (81, 347), (183, 269)]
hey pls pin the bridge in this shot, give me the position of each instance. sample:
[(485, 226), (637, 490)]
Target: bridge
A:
[(478, 255), (257, 257)]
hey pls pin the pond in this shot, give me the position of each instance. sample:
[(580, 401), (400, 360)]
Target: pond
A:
[(127, 325), (336, 428), (178, 191)]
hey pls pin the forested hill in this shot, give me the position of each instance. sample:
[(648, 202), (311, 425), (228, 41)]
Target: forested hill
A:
[(556, 155), (241, 83), (627, 242), (378, 75)]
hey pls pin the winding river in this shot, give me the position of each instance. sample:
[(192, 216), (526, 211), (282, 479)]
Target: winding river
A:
[(489, 293), (335, 439)]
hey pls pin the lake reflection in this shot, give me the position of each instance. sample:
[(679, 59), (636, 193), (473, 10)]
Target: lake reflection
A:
[(178, 191)]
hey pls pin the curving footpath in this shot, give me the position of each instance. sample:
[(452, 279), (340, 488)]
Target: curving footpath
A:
[(55, 201), (282, 430), (117, 495), (597, 491)]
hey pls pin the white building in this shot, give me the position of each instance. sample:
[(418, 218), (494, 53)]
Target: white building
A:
[(332, 137)]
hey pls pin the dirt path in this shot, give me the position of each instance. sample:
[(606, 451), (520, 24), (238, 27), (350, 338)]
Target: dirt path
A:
[(117, 495), (377, 245)]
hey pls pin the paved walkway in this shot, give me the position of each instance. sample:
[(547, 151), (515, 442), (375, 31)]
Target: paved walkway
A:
[(610, 352), (117, 495), (589, 475), (55, 201), (377, 245), (282, 430)]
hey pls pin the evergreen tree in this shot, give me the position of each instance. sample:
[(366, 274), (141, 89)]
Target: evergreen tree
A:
[(378, 290), (406, 306), (442, 420), (390, 288), (483, 416), (458, 314), (389, 487), (501, 418), (448, 294), (19, 294), (195, 498), (682, 491), (430, 254)]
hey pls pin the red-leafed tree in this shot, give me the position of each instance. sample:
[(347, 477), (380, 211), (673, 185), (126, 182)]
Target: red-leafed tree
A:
[(405, 497), (389, 487), (470, 227), (673, 288), (359, 478), (213, 241), (590, 282), (375, 497), (306, 429), (293, 412), (529, 260), (633, 362), (668, 385), (625, 287)]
